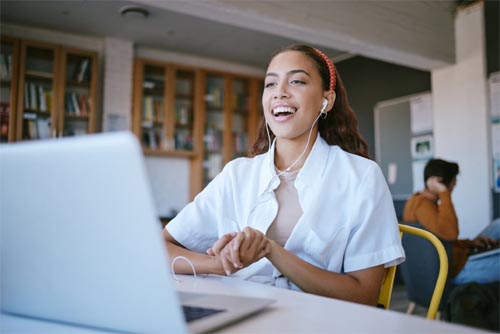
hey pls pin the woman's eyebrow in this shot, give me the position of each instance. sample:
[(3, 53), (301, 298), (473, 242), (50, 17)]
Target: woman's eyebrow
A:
[(272, 74)]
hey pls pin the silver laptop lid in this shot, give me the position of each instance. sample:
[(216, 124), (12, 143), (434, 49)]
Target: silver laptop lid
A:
[(80, 242)]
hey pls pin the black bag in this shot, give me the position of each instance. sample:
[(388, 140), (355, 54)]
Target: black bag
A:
[(474, 305)]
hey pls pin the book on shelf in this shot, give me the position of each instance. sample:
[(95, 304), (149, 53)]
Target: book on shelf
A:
[(82, 70), (158, 110), (74, 101), (84, 105), (32, 130), (182, 114), (42, 101), (43, 127), (33, 97), (4, 119), (68, 103), (183, 139), (26, 95), (148, 109), (4, 67)]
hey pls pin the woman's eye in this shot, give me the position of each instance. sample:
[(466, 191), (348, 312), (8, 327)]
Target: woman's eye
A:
[(269, 84), (297, 82)]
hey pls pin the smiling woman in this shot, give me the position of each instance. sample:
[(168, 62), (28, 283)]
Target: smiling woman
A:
[(307, 212)]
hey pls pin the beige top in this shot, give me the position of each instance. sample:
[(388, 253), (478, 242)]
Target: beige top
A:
[(289, 210)]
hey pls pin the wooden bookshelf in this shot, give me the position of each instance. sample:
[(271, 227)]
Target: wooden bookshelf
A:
[(208, 117), (163, 116), (56, 91)]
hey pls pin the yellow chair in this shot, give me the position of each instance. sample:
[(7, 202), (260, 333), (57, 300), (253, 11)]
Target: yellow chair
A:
[(390, 273)]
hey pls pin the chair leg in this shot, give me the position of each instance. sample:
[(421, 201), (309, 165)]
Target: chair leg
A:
[(411, 308)]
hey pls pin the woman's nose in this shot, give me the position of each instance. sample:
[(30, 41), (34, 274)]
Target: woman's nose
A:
[(281, 91)]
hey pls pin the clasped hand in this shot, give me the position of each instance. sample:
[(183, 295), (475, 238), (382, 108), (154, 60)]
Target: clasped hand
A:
[(238, 250)]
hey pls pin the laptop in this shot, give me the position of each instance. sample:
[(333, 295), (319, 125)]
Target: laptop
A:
[(80, 241)]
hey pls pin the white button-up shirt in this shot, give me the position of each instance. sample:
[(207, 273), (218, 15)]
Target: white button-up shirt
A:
[(348, 220)]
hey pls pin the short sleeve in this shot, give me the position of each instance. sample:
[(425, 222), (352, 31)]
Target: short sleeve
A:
[(374, 238), (196, 226)]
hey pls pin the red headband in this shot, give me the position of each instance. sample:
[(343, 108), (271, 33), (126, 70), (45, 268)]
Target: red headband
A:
[(331, 69)]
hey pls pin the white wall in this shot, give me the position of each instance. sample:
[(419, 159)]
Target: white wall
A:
[(461, 119)]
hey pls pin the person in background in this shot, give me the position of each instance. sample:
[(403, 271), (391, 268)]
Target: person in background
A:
[(309, 211), (433, 209)]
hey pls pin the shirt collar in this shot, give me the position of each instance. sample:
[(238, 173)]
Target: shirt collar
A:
[(310, 173)]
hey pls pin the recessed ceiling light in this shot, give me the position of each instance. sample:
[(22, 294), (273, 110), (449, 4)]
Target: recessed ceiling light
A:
[(134, 11)]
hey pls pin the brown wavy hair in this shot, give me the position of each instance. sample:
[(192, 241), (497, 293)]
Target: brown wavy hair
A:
[(340, 127)]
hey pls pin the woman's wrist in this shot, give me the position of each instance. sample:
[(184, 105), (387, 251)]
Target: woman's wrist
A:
[(215, 266), (272, 249)]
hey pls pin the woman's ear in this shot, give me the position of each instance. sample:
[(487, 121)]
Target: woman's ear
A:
[(330, 96)]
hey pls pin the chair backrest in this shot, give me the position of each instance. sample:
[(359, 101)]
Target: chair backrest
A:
[(436, 283), (425, 270)]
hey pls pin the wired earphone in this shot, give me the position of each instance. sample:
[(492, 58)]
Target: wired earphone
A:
[(322, 113)]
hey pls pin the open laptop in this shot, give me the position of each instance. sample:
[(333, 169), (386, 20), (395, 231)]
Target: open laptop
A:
[(80, 241)]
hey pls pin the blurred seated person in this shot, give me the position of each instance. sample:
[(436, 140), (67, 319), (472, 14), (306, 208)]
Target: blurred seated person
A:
[(433, 209)]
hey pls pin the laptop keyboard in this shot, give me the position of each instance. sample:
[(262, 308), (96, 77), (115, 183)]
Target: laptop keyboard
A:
[(192, 313)]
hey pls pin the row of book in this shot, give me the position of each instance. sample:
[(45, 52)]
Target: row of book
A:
[(153, 138), (5, 66), (183, 139), (213, 139), (182, 114), (77, 104), (37, 97), (240, 143), (152, 109), (214, 97), (37, 128)]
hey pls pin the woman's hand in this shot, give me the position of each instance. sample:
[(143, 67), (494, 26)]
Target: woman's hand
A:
[(239, 250)]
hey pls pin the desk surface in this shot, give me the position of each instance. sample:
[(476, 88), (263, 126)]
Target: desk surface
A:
[(293, 312)]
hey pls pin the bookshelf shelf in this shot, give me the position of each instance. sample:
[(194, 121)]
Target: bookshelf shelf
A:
[(39, 75)]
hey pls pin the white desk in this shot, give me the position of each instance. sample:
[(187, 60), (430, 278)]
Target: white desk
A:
[(293, 312)]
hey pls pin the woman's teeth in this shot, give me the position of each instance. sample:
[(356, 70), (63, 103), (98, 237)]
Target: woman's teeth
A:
[(283, 111)]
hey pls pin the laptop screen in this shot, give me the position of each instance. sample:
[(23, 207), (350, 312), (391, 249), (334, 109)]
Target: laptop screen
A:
[(80, 239)]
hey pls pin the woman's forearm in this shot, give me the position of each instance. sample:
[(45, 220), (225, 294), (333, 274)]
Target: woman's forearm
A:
[(362, 286), (203, 263)]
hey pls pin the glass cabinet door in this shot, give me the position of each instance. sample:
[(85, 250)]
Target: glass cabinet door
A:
[(214, 127), (153, 108), (38, 107), (184, 110), (78, 115), (240, 117)]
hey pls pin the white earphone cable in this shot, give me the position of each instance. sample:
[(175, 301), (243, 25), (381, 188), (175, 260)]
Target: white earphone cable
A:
[(181, 258), (303, 152)]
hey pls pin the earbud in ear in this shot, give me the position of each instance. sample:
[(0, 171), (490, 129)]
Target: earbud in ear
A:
[(323, 107)]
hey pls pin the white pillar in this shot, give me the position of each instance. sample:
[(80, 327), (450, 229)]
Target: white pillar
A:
[(461, 120), (118, 66)]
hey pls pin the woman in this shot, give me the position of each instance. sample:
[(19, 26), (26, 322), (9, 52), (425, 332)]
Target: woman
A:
[(307, 212)]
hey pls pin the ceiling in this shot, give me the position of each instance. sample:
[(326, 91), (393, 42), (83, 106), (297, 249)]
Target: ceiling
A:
[(413, 33)]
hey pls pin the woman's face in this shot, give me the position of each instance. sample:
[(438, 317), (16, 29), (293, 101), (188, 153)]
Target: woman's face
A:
[(293, 95)]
